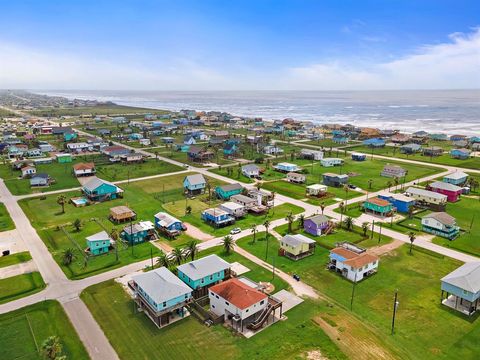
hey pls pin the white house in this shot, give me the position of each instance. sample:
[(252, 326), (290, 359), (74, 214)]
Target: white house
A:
[(296, 178), (353, 262), (329, 162), (311, 154), (250, 170), (243, 200), (426, 196), (78, 147), (233, 208), (272, 150), (28, 171), (316, 189)]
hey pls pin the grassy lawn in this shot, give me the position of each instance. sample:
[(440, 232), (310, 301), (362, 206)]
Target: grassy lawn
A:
[(178, 210), (14, 259), (62, 173), (235, 175), (182, 157), (24, 331), (109, 109), (134, 336), (19, 286), (445, 159), (325, 143), (6, 222)]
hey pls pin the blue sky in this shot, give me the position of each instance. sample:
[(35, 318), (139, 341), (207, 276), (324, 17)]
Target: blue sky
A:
[(240, 44)]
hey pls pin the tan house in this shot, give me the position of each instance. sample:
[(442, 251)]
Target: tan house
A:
[(119, 214), (296, 246)]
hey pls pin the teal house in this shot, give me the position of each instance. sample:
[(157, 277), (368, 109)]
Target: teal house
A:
[(182, 147), (100, 190), (194, 184), (225, 192), (69, 136), (138, 233), (98, 243), (203, 273), (378, 206)]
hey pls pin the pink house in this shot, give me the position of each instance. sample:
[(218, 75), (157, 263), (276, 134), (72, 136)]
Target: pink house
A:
[(452, 192)]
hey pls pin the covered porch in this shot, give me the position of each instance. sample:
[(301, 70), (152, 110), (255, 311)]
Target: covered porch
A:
[(458, 303)]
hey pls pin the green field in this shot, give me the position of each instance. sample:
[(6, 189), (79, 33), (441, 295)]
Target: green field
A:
[(325, 143), (24, 331), (19, 286), (134, 336), (6, 222), (14, 259), (110, 109)]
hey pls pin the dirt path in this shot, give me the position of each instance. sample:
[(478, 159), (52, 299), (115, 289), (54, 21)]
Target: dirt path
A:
[(162, 246), (196, 233), (383, 249)]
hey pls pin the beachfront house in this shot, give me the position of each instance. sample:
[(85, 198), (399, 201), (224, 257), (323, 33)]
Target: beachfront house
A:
[(161, 295), (296, 178), (167, 224), (98, 243), (461, 154), (296, 246), (378, 206), (217, 217), (335, 180), (461, 288), (272, 150), (79, 147), (440, 224), (393, 171), (84, 169), (353, 262), (203, 273), (250, 170), (317, 225), (100, 190), (138, 233), (194, 184), (400, 202), (233, 208), (225, 192), (316, 190), (458, 178), (287, 167), (330, 162), (359, 157), (452, 192)]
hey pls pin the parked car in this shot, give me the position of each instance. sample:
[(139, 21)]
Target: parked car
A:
[(235, 231)]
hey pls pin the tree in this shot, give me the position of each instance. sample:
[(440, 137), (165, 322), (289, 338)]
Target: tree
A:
[(258, 185), (77, 224), (52, 348), (290, 218), (178, 256), (188, 210), (410, 212), (370, 183), (267, 225), (322, 207), (68, 256), (341, 206), (209, 190), (254, 232), (228, 243), (396, 182), (273, 194), (114, 236), (301, 220), (411, 236), (365, 227), (389, 184), (163, 260), (192, 249), (346, 189), (348, 223), (62, 200)]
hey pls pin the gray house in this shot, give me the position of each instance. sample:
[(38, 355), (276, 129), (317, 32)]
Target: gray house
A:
[(461, 288), (40, 180)]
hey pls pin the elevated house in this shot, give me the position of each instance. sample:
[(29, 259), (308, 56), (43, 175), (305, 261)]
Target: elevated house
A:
[(339, 139), (296, 178), (400, 138), (69, 136), (79, 147), (233, 208), (40, 179), (287, 167), (458, 178), (330, 162), (317, 225), (335, 180), (100, 190), (189, 140), (225, 192), (194, 184), (203, 273), (353, 262), (139, 232), (229, 150), (197, 154), (243, 200), (98, 243), (433, 200), (432, 151), (440, 224), (410, 148), (168, 225), (182, 147), (359, 156), (311, 154), (217, 217), (84, 169), (115, 151), (461, 288), (297, 246), (161, 295), (452, 192), (272, 150), (400, 202), (374, 143), (316, 190), (461, 154), (28, 171), (378, 206), (63, 158), (251, 171), (393, 171), (119, 214)]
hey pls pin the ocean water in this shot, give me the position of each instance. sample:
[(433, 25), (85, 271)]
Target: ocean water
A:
[(449, 111)]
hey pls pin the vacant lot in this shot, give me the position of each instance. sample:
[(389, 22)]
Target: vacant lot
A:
[(95, 110), (24, 331), (6, 222), (14, 259), (20, 286)]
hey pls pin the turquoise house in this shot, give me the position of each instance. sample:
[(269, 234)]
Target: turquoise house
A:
[(99, 243), (138, 233), (203, 273), (182, 147), (100, 190), (230, 149), (161, 295), (194, 184), (69, 136), (225, 192), (456, 178)]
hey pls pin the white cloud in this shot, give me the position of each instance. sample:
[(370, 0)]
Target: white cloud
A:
[(451, 65)]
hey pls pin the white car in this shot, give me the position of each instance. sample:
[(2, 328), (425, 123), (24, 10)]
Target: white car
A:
[(235, 231)]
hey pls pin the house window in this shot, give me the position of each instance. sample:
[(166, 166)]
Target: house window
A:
[(262, 302), (213, 306), (217, 296), (164, 304), (186, 296), (226, 303), (247, 310), (211, 277)]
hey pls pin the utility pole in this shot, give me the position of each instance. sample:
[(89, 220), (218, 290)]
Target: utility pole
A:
[(353, 292), (395, 305), (380, 233), (131, 234), (373, 226), (151, 256), (273, 269)]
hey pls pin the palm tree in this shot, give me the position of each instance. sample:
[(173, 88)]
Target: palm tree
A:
[(254, 232), (273, 194), (114, 235), (290, 219), (52, 348), (77, 224), (192, 249), (341, 206), (258, 185), (163, 260), (348, 222), (322, 207), (177, 254), (346, 189), (188, 210), (209, 190), (410, 212), (301, 220), (68, 256), (396, 182), (62, 200), (370, 183), (365, 227), (228, 243), (411, 236), (267, 225), (389, 184)]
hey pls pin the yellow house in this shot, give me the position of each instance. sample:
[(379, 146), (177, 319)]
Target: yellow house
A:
[(296, 246)]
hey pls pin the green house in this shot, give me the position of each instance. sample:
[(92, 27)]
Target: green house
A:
[(378, 206), (69, 136), (64, 158), (98, 243), (226, 191)]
